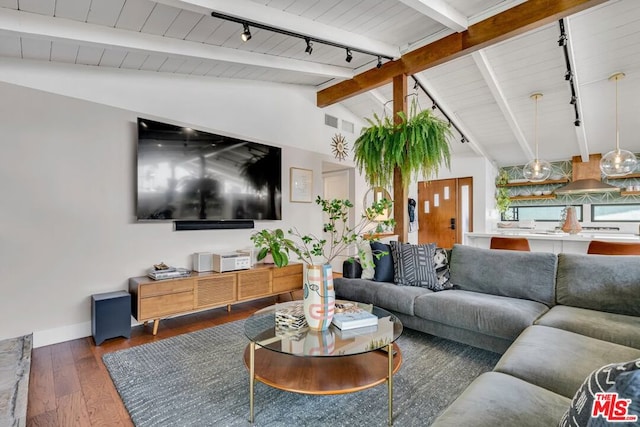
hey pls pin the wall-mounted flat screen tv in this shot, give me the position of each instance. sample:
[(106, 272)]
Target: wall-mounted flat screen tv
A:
[(188, 174)]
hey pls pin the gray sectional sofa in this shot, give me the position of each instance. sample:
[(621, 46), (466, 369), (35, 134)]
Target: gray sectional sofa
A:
[(556, 318)]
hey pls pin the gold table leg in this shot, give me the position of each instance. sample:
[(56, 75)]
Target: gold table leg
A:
[(252, 372), (390, 382)]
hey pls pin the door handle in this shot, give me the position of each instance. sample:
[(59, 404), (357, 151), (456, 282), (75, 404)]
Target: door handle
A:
[(453, 223)]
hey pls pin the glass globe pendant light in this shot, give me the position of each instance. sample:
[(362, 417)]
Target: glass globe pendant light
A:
[(536, 170), (618, 162)]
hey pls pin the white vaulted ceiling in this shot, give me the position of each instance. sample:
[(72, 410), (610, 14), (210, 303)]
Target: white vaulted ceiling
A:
[(486, 94)]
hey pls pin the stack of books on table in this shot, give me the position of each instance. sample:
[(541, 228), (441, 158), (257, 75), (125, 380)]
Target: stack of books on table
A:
[(168, 273), (290, 316), (351, 317)]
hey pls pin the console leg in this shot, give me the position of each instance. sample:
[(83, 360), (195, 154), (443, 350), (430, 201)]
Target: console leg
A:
[(156, 323), (228, 308)]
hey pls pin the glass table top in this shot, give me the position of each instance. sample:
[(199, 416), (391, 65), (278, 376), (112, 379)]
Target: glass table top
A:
[(261, 328)]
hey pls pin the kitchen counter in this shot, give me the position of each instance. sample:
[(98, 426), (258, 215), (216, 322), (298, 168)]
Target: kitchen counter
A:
[(549, 241)]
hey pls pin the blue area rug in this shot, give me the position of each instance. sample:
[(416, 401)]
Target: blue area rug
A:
[(199, 379)]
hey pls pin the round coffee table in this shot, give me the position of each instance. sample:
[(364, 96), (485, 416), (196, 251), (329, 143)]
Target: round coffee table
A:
[(330, 362)]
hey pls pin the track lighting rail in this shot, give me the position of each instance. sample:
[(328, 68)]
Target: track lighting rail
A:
[(563, 42), (435, 105), (307, 38)]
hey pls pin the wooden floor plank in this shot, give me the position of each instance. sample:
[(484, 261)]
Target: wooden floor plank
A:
[(41, 398), (72, 411), (70, 386)]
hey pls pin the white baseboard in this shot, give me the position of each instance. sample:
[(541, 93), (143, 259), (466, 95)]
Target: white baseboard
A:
[(61, 334)]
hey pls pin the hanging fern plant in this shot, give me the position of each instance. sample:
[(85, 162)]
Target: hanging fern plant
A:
[(418, 145)]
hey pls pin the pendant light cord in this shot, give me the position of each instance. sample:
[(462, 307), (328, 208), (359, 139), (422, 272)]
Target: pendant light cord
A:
[(535, 128), (617, 130)]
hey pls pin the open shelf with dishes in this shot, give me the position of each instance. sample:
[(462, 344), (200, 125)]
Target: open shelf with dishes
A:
[(544, 196), (525, 183)]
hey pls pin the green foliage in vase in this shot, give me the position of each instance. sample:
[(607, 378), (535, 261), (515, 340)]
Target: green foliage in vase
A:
[(337, 239), (503, 201), (418, 146)]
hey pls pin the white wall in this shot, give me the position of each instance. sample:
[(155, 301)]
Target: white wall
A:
[(67, 225)]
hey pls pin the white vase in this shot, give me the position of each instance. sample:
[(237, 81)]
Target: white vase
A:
[(319, 297)]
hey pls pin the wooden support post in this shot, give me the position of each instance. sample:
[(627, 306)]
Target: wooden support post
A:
[(400, 191)]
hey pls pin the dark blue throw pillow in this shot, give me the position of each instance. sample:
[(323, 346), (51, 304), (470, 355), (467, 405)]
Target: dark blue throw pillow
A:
[(384, 265)]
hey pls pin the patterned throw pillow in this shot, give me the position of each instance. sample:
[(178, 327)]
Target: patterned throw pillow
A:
[(441, 264), (413, 264), (620, 378)]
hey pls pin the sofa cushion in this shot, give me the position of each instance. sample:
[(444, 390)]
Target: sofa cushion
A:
[(621, 378), (489, 314), (495, 399), (600, 282), (366, 257), (384, 263), (413, 265), (559, 360), (616, 328), (399, 299), (517, 274)]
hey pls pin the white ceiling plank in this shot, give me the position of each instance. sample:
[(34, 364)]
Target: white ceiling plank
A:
[(581, 132), (255, 12), (43, 7), (160, 19), (73, 9), (36, 49), (10, 46), (89, 55), (183, 24), (11, 4), (489, 76), (105, 12), (440, 11), (445, 109), (64, 52), (134, 60), (153, 62), (43, 27), (134, 14), (112, 58)]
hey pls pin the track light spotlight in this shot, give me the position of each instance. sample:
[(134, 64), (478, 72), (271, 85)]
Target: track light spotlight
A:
[(562, 41), (309, 47), (573, 100), (349, 55), (246, 33), (379, 64), (576, 123), (568, 75), (415, 85), (463, 140), (434, 106)]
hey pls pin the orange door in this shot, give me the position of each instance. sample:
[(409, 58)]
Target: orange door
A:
[(444, 211)]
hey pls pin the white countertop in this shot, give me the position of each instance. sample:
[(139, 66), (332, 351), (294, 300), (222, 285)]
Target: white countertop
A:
[(583, 236)]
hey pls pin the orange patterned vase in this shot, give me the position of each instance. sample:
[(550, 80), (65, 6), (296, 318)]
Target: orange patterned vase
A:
[(319, 297), (571, 224)]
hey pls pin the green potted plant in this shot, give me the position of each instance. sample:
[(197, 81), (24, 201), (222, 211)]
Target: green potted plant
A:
[(319, 297), (309, 248), (418, 145), (503, 200)]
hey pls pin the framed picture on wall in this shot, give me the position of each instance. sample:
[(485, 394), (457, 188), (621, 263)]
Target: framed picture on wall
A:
[(300, 185)]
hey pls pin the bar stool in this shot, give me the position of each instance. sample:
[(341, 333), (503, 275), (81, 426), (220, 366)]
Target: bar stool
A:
[(510, 243), (613, 248)]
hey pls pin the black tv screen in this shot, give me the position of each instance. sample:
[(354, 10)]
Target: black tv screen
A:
[(188, 174)]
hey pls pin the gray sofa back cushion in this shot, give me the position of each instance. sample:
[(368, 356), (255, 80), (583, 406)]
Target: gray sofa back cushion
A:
[(516, 274), (600, 282)]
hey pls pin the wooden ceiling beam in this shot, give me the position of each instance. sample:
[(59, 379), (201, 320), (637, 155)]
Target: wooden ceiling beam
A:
[(510, 23)]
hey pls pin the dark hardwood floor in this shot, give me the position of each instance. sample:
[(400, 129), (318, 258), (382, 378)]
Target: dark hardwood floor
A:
[(70, 386)]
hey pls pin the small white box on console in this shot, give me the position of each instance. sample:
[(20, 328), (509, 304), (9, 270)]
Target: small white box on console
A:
[(231, 261), (202, 261)]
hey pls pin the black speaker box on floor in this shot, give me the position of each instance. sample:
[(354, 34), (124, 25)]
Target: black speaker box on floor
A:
[(222, 224)]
